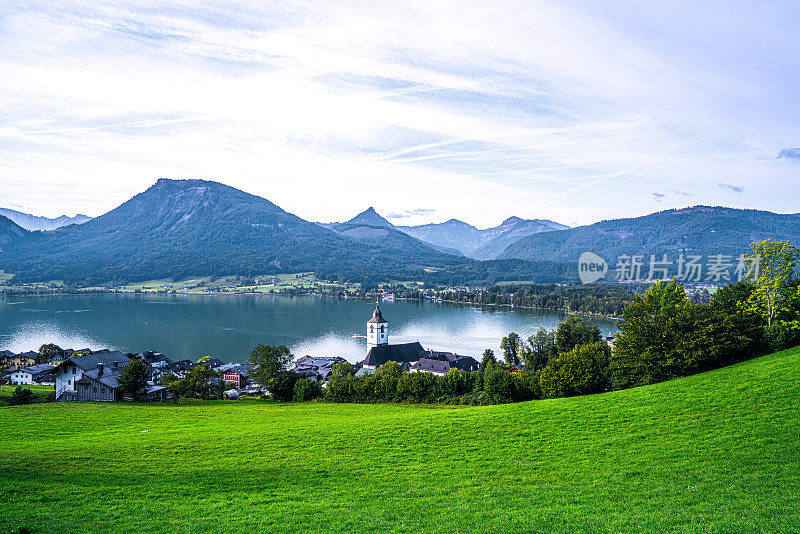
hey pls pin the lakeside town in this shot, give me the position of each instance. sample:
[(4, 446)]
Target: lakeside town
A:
[(92, 375)]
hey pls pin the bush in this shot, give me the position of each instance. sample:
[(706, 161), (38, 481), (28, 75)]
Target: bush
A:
[(21, 396), (581, 371), (306, 389), (282, 386)]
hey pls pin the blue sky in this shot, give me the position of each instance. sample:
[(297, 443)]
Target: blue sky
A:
[(570, 111)]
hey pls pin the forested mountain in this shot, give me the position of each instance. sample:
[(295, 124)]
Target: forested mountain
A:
[(35, 222), (699, 230), (11, 234), (479, 244), (180, 228)]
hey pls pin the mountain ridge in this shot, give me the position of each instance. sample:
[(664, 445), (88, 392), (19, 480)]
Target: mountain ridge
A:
[(37, 222), (704, 230)]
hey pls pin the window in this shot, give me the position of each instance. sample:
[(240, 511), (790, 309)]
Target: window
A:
[(74, 371), (103, 391), (94, 390), (69, 382)]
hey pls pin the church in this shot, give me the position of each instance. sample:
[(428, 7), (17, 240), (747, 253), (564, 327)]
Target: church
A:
[(412, 357)]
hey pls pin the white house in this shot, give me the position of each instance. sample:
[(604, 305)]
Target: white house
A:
[(73, 369), (35, 374)]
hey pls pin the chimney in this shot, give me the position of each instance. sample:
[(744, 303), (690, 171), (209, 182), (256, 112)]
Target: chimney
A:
[(99, 369), (115, 363)]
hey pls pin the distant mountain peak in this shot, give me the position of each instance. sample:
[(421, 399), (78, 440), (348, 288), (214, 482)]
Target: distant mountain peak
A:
[(36, 222), (370, 217), (511, 220)]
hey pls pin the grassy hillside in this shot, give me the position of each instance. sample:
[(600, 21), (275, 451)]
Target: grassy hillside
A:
[(710, 453)]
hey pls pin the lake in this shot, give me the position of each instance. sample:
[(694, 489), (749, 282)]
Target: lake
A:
[(228, 326)]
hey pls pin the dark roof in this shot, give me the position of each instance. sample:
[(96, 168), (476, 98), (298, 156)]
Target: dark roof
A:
[(465, 363), (152, 357), (34, 370), (7, 354), (406, 352), (377, 316), (108, 378), (29, 354), (88, 362), (431, 366)]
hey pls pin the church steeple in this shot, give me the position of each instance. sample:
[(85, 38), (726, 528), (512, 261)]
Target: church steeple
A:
[(377, 329)]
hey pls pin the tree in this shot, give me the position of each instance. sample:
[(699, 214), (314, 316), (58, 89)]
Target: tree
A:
[(306, 389), (777, 261), (575, 331), (510, 346), (267, 362), (488, 361), (46, 352), (581, 371), (341, 369), (281, 386), (132, 377), (649, 334), (539, 349), (202, 382), (21, 396)]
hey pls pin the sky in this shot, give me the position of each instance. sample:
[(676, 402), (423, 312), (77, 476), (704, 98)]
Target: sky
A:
[(565, 110)]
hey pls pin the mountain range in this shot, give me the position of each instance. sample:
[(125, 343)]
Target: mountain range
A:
[(181, 228), (697, 230), (454, 236), (480, 244), (35, 222)]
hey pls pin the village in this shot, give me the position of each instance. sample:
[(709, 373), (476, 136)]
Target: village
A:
[(92, 375)]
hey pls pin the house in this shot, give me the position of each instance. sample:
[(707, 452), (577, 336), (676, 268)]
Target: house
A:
[(154, 359), (180, 368), (317, 368), (99, 384), (69, 372), (22, 360), (5, 358), (236, 373), (41, 374), (158, 363), (427, 365)]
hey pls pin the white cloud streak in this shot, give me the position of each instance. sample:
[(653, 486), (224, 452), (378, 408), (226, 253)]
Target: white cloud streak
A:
[(538, 109)]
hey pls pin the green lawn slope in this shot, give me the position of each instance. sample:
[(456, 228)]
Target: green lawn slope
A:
[(717, 452)]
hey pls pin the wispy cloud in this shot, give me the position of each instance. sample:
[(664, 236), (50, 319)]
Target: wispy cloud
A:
[(789, 153), (731, 187), (416, 212), (658, 197), (558, 110)]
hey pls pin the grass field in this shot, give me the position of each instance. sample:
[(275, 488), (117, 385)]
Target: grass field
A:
[(38, 391), (712, 453)]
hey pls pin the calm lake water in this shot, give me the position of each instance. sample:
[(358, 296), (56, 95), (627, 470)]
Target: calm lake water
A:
[(228, 326)]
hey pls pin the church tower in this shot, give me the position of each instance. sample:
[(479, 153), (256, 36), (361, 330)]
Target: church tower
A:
[(377, 329)]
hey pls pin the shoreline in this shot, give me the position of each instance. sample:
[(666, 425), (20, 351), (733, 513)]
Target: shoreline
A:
[(249, 293)]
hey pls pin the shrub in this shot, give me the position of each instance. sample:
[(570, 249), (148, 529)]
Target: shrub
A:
[(306, 389), (281, 387), (581, 371), (21, 396)]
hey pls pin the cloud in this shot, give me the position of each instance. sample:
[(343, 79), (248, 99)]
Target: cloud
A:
[(539, 114), (731, 187), (658, 197), (416, 212), (789, 153), (683, 193)]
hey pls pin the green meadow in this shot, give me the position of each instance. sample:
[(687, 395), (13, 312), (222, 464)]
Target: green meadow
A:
[(711, 453)]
